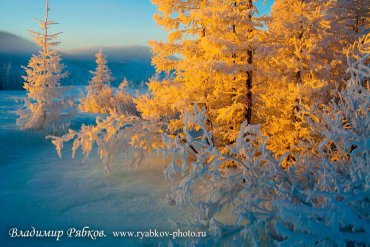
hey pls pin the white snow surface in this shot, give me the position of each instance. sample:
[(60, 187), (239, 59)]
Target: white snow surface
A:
[(39, 189)]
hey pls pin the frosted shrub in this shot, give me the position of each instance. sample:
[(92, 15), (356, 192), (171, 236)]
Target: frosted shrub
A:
[(124, 102), (111, 134), (108, 100), (101, 98), (101, 102)]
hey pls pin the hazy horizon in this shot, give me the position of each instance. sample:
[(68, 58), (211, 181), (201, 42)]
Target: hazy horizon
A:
[(73, 49)]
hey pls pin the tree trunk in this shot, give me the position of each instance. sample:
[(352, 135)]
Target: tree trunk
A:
[(249, 81), (249, 84)]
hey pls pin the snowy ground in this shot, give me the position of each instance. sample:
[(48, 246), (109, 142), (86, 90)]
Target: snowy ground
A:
[(39, 189)]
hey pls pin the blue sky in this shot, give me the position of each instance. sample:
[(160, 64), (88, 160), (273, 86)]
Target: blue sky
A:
[(87, 23)]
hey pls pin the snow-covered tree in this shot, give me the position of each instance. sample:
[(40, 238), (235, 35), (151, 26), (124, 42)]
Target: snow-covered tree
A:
[(336, 204), (99, 93), (301, 61), (349, 20), (44, 104), (209, 58), (323, 200), (101, 76), (296, 69)]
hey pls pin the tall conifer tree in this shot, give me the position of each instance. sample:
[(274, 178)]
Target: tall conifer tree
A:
[(44, 103), (296, 69), (213, 41)]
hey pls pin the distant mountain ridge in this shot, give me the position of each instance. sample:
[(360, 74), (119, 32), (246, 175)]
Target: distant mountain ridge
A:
[(113, 52), (130, 62), (13, 44)]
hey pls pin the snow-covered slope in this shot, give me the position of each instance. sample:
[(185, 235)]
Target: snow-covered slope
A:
[(39, 189)]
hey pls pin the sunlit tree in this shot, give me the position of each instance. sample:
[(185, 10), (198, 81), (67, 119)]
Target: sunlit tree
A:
[(296, 69), (99, 93), (101, 75), (44, 103), (349, 21), (208, 57)]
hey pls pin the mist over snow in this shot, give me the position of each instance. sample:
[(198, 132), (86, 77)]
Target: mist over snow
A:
[(130, 62)]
